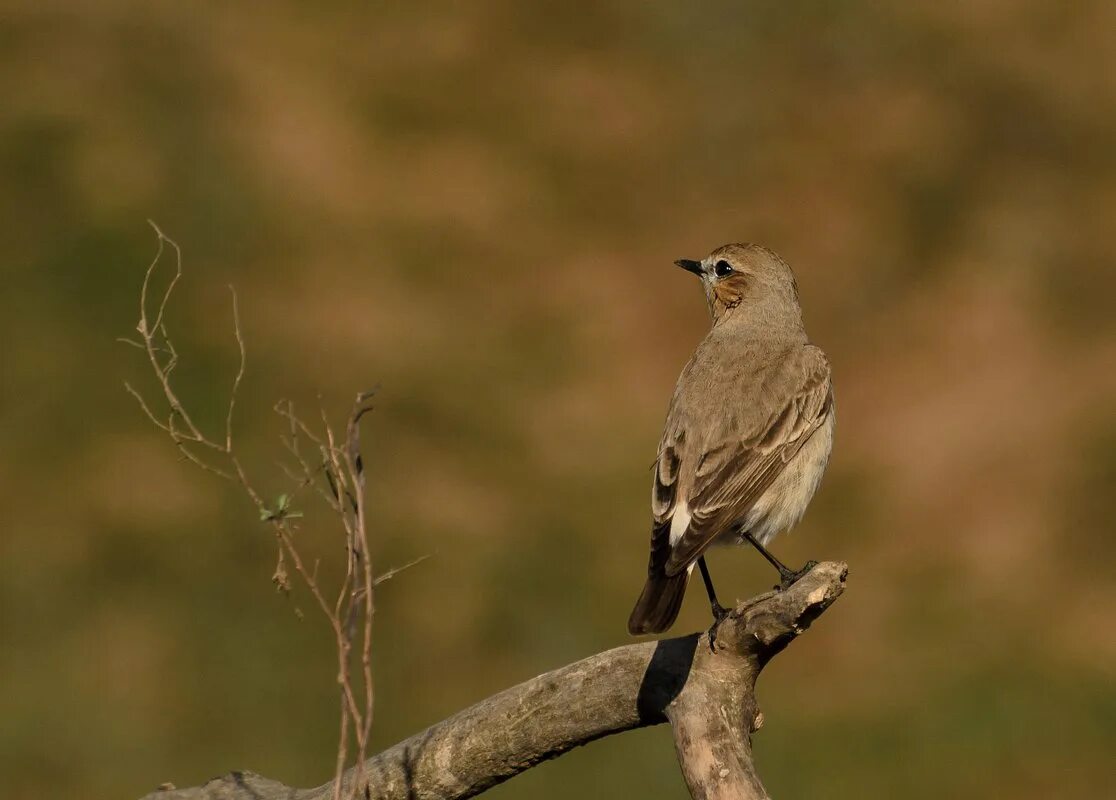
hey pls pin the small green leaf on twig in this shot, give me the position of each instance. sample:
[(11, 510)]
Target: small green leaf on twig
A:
[(281, 511)]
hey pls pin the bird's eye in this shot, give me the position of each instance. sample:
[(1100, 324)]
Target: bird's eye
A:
[(722, 268)]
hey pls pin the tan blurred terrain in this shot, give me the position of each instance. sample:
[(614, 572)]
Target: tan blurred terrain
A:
[(477, 206)]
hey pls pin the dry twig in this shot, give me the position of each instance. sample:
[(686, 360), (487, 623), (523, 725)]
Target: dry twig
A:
[(336, 475)]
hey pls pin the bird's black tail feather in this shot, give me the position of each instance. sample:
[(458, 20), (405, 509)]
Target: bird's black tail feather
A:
[(658, 604)]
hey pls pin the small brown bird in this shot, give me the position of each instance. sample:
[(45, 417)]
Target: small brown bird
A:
[(748, 433)]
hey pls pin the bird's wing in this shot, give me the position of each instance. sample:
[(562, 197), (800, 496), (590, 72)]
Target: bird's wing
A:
[(733, 474), (664, 497)]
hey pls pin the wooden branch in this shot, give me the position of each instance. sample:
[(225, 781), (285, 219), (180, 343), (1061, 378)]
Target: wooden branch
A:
[(707, 697)]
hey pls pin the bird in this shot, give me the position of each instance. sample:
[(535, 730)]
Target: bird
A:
[(747, 436)]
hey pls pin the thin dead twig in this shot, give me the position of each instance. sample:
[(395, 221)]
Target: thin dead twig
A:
[(338, 478), (391, 573)]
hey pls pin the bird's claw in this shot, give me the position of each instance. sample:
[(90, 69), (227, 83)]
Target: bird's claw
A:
[(719, 615), (787, 578)]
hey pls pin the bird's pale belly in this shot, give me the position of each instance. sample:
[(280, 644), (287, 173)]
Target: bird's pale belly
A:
[(783, 504)]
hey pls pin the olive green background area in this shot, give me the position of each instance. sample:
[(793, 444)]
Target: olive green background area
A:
[(476, 206)]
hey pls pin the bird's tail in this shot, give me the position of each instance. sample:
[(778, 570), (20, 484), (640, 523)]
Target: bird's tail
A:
[(658, 604)]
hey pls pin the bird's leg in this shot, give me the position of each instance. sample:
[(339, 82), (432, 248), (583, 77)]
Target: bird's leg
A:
[(787, 576), (719, 611)]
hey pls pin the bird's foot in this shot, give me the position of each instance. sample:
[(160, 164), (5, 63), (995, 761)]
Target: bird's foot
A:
[(788, 577), (719, 615)]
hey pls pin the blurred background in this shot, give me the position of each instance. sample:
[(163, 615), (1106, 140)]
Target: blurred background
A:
[(476, 205)]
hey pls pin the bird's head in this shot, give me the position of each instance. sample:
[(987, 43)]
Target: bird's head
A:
[(746, 280)]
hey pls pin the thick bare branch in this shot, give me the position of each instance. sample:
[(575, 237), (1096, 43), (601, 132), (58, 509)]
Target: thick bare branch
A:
[(707, 697)]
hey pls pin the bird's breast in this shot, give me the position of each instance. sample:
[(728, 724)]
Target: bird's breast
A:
[(781, 507)]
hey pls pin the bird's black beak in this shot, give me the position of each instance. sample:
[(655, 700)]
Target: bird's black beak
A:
[(689, 265)]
